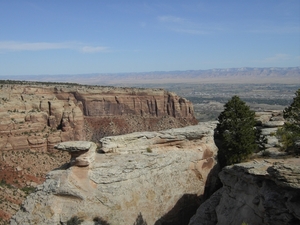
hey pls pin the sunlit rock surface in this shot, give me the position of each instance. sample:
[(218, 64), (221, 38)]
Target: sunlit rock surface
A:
[(256, 192), (38, 116), (157, 175)]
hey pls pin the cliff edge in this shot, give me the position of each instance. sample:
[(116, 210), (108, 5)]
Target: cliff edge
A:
[(257, 192), (160, 176)]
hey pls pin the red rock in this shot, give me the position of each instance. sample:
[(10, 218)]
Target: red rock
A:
[(63, 113)]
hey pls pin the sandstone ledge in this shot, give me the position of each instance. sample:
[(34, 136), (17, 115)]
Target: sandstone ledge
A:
[(157, 141), (118, 187)]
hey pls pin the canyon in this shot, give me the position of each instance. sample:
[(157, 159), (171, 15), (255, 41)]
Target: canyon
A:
[(126, 154), (162, 178), (37, 116)]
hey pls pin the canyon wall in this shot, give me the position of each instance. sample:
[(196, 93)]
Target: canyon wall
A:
[(159, 176), (40, 116), (34, 117)]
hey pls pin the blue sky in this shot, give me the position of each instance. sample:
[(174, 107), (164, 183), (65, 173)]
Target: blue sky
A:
[(98, 36)]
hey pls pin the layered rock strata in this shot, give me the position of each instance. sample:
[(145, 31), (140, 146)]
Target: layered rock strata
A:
[(257, 192), (150, 176), (40, 116), (269, 122)]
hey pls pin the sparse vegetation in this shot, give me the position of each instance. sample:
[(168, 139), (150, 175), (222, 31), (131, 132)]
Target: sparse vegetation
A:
[(99, 221), (149, 149), (4, 184), (140, 220), (75, 220), (266, 153), (28, 190)]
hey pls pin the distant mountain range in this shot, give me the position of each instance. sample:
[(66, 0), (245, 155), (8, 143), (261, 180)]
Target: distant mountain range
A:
[(230, 75)]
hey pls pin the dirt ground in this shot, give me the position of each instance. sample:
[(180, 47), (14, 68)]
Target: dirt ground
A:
[(20, 173)]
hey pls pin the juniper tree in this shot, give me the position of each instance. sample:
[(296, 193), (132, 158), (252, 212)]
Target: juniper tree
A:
[(290, 132), (236, 132)]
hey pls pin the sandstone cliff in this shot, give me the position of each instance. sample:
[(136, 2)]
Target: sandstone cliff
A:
[(40, 116), (157, 175), (257, 192)]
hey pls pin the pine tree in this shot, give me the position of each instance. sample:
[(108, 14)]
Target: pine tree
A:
[(290, 132), (236, 132), (292, 114)]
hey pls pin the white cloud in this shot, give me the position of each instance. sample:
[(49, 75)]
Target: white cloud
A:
[(90, 49), (277, 58), (35, 46), (13, 46)]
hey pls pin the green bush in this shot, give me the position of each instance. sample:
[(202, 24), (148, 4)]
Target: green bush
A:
[(266, 153), (140, 220), (99, 221), (75, 220), (28, 190)]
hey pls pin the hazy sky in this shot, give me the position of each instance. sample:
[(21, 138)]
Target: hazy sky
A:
[(98, 36)]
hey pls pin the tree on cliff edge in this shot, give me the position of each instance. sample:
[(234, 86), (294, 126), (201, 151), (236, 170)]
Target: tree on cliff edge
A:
[(290, 132), (236, 132)]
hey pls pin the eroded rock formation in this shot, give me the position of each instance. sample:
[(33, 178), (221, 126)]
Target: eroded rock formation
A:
[(257, 192), (40, 116), (156, 175), (82, 152), (269, 122)]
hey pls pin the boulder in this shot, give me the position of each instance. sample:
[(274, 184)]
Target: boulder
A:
[(256, 192), (273, 123)]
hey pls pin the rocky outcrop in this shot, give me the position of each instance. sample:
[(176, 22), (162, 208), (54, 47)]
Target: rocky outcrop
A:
[(82, 152), (269, 122), (40, 116), (257, 192), (153, 175)]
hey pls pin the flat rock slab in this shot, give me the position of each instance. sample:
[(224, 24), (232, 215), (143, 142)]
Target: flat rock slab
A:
[(74, 146), (273, 124)]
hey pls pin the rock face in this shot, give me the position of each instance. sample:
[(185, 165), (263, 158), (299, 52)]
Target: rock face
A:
[(269, 122), (157, 176), (258, 192), (40, 116)]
